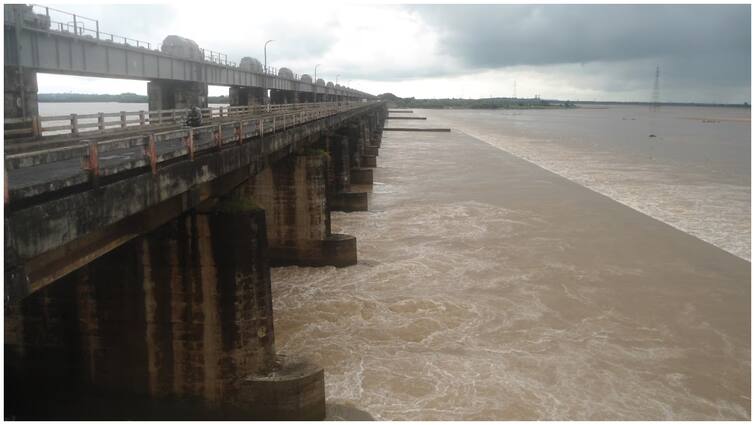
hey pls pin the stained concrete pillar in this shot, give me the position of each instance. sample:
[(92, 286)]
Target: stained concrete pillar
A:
[(177, 324), (293, 192), (340, 195), (369, 151), (168, 94), (245, 96), (359, 173)]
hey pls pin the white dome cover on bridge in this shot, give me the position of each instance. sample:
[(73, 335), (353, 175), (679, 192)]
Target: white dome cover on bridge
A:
[(330, 84), (181, 47), (306, 78), (250, 64), (286, 73), (320, 82)]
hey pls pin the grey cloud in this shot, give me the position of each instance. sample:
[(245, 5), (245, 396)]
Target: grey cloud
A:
[(505, 35)]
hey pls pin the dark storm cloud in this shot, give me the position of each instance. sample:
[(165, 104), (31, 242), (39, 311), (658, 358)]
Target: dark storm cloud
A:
[(493, 36)]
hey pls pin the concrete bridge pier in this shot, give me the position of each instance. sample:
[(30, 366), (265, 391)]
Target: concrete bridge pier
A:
[(370, 149), (280, 97), (245, 96), (176, 324), (376, 131), (20, 86), (341, 197), (277, 97), (306, 97), (168, 94), (360, 172), (293, 192)]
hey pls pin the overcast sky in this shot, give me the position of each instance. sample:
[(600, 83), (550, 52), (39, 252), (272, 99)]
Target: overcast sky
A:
[(579, 52)]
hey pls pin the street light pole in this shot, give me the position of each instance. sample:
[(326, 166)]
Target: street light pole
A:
[(316, 82), (267, 98), (337, 88), (266, 43)]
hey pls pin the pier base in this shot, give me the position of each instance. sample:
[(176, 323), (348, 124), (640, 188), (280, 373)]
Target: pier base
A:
[(361, 176), (349, 201), (369, 161), (293, 391)]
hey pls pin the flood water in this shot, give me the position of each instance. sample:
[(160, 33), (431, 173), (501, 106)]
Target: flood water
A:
[(490, 288), (694, 174)]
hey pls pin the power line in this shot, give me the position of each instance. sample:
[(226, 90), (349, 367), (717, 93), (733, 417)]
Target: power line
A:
[(656, 102)]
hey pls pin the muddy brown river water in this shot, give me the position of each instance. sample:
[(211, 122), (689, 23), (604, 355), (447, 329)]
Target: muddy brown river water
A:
[(490, 288)]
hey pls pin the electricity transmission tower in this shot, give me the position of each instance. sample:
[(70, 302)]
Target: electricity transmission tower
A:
[(656, 90)]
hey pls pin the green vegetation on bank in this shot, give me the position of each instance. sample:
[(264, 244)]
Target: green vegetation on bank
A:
[(488, 103), (119, 98)]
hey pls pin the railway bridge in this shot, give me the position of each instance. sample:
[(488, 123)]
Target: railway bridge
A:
[(138, 248)]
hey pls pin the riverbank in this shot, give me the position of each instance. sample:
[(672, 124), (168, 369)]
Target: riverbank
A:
[(490, 288)]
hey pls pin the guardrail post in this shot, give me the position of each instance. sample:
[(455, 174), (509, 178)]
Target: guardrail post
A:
[(101, 121), (241, 132), (189, 141), (75, 124), (141, 118), (123, 119), (92, 163), (219, 136), (152, 153), (36, 126)]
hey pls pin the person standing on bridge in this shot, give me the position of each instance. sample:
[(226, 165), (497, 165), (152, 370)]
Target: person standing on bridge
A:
[(194, 117)]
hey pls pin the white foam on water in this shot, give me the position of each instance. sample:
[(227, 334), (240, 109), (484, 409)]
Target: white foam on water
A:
[(462, 310), (713, 211), (431, 326)]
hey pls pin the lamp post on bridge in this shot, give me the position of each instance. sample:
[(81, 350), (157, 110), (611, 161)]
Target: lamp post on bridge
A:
[(337, 95), (267, 98), (315, 100), (265, 49)]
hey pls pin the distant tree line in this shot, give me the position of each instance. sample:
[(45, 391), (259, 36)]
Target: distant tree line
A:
[(486, 103), (119, 98)]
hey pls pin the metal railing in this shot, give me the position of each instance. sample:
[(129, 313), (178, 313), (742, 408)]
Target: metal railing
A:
[(186, 141), (82, 26), (100, 122)]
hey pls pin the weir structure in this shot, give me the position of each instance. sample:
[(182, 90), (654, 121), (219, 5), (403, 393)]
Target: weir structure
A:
[(137, 258)]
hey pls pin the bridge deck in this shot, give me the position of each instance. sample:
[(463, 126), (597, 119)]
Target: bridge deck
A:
[(46, 47), (64, 166), (170, 173)]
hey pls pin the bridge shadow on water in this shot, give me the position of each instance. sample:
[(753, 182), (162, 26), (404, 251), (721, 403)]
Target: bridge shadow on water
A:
[(346, 412), (60, 400)]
